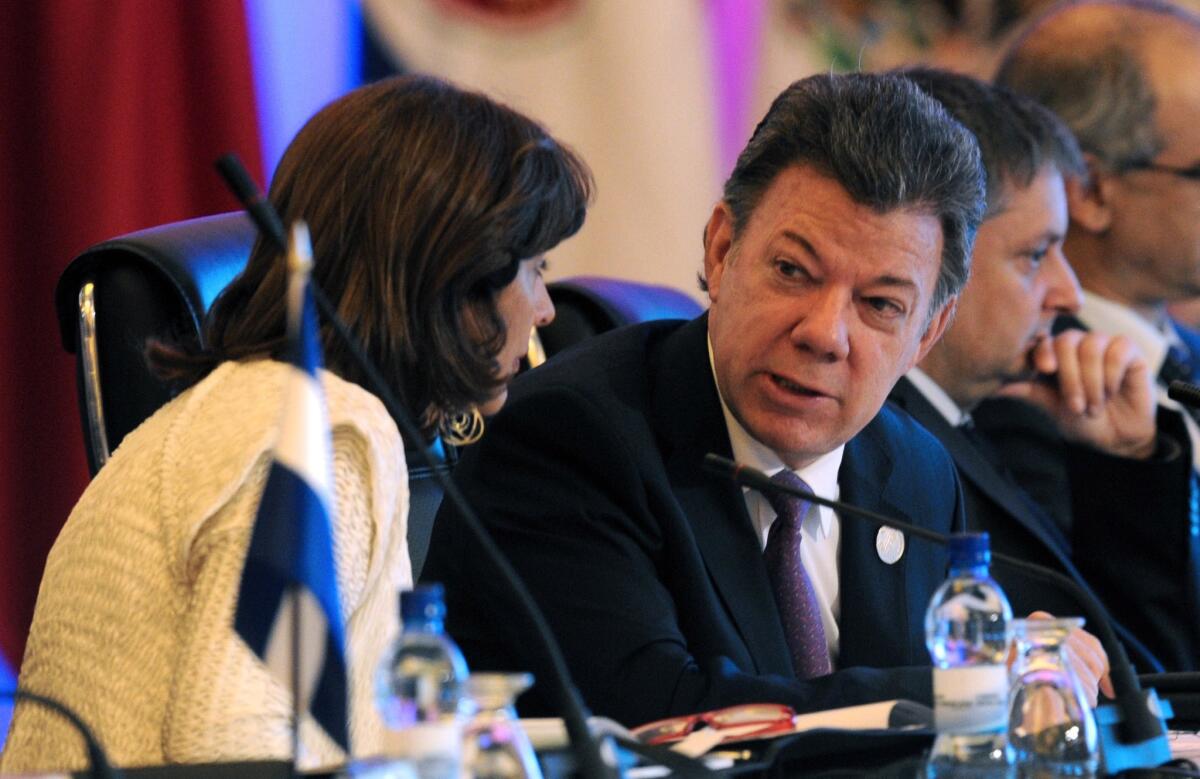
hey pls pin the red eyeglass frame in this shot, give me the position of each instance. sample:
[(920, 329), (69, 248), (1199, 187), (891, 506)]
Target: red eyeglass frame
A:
[(774, 718)]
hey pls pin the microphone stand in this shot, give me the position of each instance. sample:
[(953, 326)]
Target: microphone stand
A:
[(1131, 731), (595, 758)]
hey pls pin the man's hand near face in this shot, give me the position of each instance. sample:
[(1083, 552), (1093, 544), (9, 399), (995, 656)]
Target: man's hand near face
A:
[(1098, 389)]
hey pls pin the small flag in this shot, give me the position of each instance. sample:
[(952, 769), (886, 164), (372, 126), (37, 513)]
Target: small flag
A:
[(291, 548)]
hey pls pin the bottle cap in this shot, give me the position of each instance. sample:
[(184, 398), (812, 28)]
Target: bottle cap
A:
[(423, 602), (969, 550)]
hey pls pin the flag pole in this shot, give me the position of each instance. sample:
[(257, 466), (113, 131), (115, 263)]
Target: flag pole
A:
[(299, 264), (291, 546), (296, 709)]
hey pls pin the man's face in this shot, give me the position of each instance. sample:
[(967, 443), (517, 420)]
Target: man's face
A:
[(1156, 214), (1020, 281), (817, 309)]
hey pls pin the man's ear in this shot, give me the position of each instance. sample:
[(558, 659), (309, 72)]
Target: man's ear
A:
[(718, 240), (935, 330), (1089, 200)]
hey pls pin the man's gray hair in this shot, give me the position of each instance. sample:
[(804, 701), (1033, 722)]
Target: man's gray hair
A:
[(1096, 84), (1018, 138), (887, 143)]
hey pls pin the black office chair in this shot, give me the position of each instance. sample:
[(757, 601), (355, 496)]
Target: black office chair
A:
[(161, 282), (589, 305), (156, 282)]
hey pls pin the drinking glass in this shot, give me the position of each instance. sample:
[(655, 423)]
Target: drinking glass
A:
[(1051, 727), (494, 744)]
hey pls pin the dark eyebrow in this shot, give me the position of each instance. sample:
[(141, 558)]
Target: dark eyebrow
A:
[(1050, 237), (804, 244), (889, 281), (896, 281)]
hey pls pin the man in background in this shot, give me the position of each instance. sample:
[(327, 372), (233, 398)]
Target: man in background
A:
[(1091, 393), (1122, 77)]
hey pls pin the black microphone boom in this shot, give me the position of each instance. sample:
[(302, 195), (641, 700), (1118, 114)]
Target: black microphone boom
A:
[(1185, 392), (593, 763), (248, 194), (1133, 736), (100, 767)]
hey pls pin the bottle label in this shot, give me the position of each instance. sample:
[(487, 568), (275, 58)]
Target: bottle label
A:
[(433, 748), (971, 699)]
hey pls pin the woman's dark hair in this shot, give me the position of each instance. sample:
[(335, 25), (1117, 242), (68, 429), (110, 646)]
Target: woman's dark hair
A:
[(422, 199)]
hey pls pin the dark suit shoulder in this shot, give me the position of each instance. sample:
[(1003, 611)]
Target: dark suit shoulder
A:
[(910, 465), (908, 440)]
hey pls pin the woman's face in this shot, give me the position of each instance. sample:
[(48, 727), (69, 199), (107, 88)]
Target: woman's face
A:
[(523, 304)]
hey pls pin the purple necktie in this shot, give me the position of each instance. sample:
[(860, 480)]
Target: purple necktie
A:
[(794, 593)]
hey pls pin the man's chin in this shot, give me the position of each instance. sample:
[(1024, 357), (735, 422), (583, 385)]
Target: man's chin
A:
[(1012, 383), (1019, 385), (799, 448), (1020, 374)]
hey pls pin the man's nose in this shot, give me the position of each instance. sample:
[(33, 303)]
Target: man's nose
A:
[(822, 327), (1063, 294)]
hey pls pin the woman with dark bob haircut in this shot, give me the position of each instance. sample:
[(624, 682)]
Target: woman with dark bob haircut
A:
[(430, 209)]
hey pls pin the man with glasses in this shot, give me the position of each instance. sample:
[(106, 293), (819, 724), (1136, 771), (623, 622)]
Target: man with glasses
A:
[(1123, 77)]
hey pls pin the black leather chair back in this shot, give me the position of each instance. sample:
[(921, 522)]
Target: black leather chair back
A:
[(589, 305), (117, 294)]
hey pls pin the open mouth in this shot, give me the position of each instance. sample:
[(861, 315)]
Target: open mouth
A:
[(794, 388)]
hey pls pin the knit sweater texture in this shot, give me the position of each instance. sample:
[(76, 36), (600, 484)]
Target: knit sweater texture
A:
[(133, 627)]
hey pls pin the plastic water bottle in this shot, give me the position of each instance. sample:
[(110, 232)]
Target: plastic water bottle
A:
[(968, 631), (419, 687)]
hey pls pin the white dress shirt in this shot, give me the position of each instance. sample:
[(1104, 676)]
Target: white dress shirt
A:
[(937, 397), (1107, 316), (821, 530)]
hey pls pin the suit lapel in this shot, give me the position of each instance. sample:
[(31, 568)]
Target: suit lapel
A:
[(689, 419), (975, 468), (866, 479)]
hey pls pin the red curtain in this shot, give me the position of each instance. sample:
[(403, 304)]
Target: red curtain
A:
[(111, 114)]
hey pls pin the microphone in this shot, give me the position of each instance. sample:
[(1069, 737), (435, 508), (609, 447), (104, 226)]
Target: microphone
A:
[(97, 759), (595, 758), (1184, 392), (248, 194), (1132, 734)]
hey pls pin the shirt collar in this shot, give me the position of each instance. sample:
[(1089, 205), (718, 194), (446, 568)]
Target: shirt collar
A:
[(1109, 316), (937, 397), (821, 474)]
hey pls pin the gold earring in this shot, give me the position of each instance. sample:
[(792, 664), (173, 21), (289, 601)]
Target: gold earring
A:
[(463, 428)]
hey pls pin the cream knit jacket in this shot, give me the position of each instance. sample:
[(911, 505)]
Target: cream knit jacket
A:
[(134, 621)]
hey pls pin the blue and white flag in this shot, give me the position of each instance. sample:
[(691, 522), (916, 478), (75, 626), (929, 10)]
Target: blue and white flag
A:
[(291, 549)]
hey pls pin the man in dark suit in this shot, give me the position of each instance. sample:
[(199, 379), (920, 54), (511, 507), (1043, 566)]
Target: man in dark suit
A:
[(832, 264), (1122, 76), (1088, 397)]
